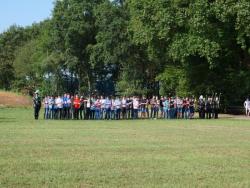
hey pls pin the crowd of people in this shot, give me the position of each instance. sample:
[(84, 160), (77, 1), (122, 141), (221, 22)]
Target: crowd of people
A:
[(77, 107)]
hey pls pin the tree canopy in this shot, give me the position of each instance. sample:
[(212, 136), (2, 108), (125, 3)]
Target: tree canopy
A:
[(142, 47)]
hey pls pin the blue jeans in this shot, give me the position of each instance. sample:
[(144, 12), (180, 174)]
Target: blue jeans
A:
[(186, 113), (102, 113), (46, 113), (166, 113), (97, 114), (118, 113), (112, 114), (171, 113), (135, 114)]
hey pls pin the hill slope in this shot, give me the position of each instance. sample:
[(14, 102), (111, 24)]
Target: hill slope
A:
[(10, 99)]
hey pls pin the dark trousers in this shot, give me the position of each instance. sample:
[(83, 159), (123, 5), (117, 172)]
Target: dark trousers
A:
[(216, 112), (92, 114), (87, 113), (129, 113), (108, 113), (76, 113), (202, 114), (118, 114), (66, 113), (208, 114), (81, 112), (123, 112), (135, 113), (36, 111)]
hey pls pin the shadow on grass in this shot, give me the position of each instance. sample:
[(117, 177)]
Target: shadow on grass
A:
[(7, 120)]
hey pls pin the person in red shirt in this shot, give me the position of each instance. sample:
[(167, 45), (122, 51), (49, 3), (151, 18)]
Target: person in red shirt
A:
[(76, 107)]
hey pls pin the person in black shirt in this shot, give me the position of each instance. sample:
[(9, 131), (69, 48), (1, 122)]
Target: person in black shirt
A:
[(37, 104)]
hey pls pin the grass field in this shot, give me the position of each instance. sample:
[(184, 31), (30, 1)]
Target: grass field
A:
[(143, 153)]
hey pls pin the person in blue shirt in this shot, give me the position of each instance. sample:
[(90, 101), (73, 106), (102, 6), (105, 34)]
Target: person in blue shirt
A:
[(65, 106), (166, 108), (107, 108)]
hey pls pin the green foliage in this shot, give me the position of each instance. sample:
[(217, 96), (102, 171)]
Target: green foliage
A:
[(150, 47)]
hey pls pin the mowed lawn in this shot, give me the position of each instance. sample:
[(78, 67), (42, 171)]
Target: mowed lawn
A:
[(142, 153)]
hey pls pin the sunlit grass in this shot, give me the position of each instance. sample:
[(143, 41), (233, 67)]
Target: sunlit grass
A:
[(143, 153)]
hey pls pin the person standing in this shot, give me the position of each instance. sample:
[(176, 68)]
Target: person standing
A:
[(129, 108), (76, 107), (124, 107), (247, 107), (46, 107), (216, 108), (143, 107), (64, 106), (98, 105), (59, 103), (68, 107), (36, 104), (51, 107), (179, 107), (102, 113), (107, 108), (201, 107), (81, 109), (88, 105), (92, 108), (191, 108), (135, 107), (208, 108), (152, 104), (118, 104)]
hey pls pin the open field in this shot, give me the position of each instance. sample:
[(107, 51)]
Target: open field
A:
[(143, 153)]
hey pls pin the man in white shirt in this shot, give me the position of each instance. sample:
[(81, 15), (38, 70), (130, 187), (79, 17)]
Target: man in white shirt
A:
[(247, 107), (135, 107), (59, 103), (118, 104), (124, 108), (103, 101)]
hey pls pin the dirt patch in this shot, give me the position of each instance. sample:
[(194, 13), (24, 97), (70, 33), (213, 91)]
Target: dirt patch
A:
[(9, 99)]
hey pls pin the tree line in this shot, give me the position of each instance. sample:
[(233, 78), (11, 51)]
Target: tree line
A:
[(133, 47)]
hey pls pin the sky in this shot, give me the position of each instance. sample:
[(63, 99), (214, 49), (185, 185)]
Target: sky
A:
[(23, 12)]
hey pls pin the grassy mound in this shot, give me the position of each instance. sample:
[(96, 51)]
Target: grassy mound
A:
[(10, 99)]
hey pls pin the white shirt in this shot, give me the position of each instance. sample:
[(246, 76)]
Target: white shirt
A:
[(107, 103), (103, 101), (59, 102), (88, 103), (247, 104), (135, 104), (124, 103), (117, 103)]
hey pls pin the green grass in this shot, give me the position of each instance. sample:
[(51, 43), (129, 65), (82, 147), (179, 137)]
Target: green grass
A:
[(144, 153)]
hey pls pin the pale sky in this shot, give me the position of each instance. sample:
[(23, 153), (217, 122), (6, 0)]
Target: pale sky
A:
[(23, 12)]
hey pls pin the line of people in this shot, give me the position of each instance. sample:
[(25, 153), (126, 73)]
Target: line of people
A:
[(115, 108)]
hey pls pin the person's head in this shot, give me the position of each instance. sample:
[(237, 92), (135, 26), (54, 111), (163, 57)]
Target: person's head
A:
[(36, 92), (201, 97)]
